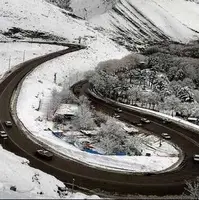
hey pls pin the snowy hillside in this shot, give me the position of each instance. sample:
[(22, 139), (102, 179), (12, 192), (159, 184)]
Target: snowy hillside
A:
[(139, 21), (107, 28), (33, 184)]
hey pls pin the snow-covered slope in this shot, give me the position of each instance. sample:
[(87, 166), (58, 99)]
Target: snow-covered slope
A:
[(38, 15), (140, 21), (129, 22), (29, 182)]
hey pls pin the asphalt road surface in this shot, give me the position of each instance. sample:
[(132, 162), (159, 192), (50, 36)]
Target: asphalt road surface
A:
[(89, 177)]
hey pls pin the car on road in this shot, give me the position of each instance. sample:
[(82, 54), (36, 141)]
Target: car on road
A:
[(8, 123), (139, 124), (196, 158), (119, 110), (42, 153), (166, 136), (166, 121), (145, 120), (3, 134), (116, 115)]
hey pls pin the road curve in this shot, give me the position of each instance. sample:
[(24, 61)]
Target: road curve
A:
[(186, 139), (89, 177)]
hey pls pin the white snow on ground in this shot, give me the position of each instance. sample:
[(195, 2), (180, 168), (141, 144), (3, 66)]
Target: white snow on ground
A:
[(87, 9), (39, 84), (29, 182), (168, 18), (12, 54), (175, 18), (75, 63), (160, 160), (38, 15)]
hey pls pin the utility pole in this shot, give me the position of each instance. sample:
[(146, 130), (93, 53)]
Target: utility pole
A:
[(160, 144), (9, 63), (73, 185), (24, 53)]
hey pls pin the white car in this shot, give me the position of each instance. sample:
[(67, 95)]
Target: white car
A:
[(116, 115), (166, 136), (119, 110), (196, 158), (145, 120), (3, 134), (8, 123)]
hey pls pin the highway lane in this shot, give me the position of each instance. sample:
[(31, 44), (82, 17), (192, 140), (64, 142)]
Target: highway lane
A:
[(85, 176), (186, 139)]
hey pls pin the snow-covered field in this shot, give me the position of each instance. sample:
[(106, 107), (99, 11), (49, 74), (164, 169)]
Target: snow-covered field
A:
[(29, 182), (12, 54)]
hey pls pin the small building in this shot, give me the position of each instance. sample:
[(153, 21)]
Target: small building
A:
[(66, 111)]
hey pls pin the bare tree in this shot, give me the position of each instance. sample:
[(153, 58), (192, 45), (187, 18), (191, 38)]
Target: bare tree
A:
[(193, 189), (84, 118), (53, 104)]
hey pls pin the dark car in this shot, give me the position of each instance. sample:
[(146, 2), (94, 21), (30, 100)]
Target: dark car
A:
[(8, 123), (166, 136), (44, 154)]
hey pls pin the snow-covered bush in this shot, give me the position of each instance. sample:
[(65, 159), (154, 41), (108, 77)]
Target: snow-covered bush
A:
[(113, 139), (84, 118), (100, 118)]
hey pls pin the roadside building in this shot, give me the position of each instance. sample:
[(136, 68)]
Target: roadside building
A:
[(65, 112)]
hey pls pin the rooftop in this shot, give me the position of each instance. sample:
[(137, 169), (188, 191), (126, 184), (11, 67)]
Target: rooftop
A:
[(67, 109)]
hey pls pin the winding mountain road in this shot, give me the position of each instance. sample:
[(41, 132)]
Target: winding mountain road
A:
[(90, 177)]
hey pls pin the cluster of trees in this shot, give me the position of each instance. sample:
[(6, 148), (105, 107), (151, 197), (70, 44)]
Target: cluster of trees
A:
[(85, 116), (113, 139), (174, 48), (153, 82)]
